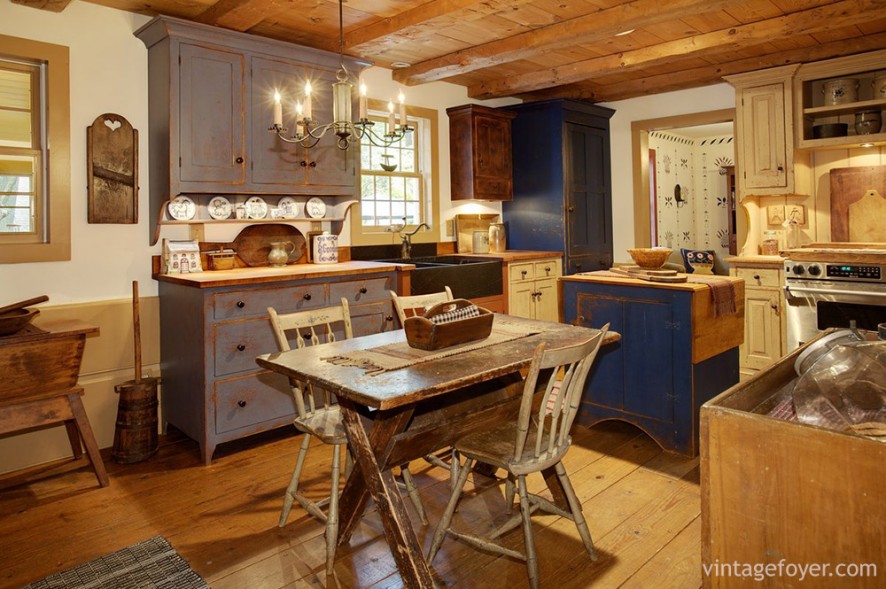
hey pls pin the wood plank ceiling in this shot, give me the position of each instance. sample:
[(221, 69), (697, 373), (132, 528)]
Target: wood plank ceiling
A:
[(597, 50)]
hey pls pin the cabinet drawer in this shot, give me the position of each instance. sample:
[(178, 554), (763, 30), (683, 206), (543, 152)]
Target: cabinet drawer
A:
[(373, 318), (760, 276), (369, 290), (547, 268), (253, 303), (237, 344), (246, 402), (521, 272)]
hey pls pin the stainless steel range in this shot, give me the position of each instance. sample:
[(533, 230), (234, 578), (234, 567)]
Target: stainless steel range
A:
[(833, 288)]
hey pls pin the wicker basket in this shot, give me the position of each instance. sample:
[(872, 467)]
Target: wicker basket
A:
[(424, 334), (650, 257)]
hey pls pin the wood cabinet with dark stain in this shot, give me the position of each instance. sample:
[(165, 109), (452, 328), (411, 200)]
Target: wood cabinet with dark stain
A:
[(562, 189), (480, 153), (213, 391), (211, 102)]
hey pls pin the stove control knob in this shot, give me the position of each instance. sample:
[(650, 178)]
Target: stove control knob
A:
[(814, 270), (798, 269)]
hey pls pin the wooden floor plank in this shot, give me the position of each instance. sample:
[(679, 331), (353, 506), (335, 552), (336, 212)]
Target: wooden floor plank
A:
[(641, 505)]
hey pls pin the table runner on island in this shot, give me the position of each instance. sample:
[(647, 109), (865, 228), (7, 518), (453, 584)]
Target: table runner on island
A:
[(400, 355)]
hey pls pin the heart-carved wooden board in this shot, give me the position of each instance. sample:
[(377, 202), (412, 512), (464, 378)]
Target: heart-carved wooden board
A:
[(112, 170)]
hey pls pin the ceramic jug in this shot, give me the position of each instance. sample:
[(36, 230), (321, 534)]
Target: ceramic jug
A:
[(279, 254)]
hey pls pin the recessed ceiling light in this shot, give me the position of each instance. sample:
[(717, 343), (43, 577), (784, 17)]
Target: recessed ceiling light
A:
[(866, 145), (399, 65), (623, 33)]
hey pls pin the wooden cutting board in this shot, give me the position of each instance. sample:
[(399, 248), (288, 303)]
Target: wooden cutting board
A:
[(254, 242), (858, 204), (642, 275)]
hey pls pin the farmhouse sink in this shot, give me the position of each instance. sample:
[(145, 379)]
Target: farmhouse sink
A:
[(467, 277)]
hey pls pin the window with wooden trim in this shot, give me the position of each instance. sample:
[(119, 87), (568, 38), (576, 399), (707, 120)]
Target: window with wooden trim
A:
[(392, 181), (35, 195)]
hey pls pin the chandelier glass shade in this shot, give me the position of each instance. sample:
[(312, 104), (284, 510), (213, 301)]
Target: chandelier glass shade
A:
[(308, 132)]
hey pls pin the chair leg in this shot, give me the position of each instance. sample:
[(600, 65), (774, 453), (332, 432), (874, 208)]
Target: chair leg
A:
[(413, 493), (292, 489), (332, 516), (525, 511), (575, 507), (454, 468), (445, 520), (510, 492)]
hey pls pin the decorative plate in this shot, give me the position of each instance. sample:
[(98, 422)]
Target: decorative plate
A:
[(256, 208), (219, 208), (315, 208), (288, 207), (182, 208)]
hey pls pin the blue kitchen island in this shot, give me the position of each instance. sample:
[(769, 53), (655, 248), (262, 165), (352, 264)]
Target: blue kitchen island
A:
[(674, 353)]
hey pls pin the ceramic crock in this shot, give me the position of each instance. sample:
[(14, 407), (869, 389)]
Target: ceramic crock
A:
[(840, 91), (326, 249), (867, 122)]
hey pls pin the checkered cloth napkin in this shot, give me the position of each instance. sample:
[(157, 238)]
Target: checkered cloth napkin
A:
[(456, 314)]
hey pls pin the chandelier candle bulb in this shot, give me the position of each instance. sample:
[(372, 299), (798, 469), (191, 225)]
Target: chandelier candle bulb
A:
[(278, 110), (402, 100), (363, 108), (307, 104), (390, 117)]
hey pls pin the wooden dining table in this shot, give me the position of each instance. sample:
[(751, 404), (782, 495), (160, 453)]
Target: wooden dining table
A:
[(399, 415)]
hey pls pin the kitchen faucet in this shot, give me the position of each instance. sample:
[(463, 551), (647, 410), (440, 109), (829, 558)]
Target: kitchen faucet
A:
[(406, 245)]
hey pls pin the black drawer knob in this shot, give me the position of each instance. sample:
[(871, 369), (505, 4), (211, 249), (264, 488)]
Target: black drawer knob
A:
[(313, 164), (303, 163), (241, 347), (307, 296), (756, 277), (241, 403), (523, 273), (389, 318), (362, 290), (239, 160), (240, 304)]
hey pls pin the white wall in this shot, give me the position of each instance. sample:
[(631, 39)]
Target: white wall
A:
[(704, 99), (109, 73)]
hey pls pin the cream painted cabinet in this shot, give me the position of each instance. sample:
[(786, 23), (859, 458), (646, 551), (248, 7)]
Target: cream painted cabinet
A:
[(532, 289), (764, 326), (764, 131)]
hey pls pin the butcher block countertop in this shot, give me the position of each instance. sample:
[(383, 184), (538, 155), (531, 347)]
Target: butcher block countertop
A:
[(761, 261), (260, 274), (710, 335)]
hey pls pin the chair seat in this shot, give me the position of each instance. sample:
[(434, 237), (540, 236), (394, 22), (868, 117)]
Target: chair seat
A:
[(495, 446), (325, 424)]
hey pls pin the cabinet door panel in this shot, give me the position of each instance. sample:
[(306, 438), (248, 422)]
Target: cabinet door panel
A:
[(520, 299), (606, 383), (546, 304), (589, 218), (762, 341), (763, 137), (649, 338), (211, 111), (493, 163), (274, 161)]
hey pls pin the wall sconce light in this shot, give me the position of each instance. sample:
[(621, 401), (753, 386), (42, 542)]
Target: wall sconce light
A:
[(679, 195)]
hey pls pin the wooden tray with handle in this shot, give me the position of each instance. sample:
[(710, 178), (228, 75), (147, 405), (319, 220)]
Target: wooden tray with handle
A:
[(424, 334)]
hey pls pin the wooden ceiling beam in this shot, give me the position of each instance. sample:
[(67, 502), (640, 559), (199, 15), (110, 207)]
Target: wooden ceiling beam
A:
[(423, 20), (584, 29), (824, 18), (599, 91), (50, 5), (240, 15)]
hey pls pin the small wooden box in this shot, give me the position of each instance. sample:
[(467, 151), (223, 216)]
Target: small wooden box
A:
[(774, 489), (424, 334)]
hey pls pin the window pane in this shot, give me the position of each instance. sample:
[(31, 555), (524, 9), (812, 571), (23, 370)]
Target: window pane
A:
[(398, 192), (17, 197), (15, 108), (411, 188), (408, 159), (367, 186), (413, 213)]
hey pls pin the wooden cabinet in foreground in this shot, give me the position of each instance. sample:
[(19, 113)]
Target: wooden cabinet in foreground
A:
[(776, 493)]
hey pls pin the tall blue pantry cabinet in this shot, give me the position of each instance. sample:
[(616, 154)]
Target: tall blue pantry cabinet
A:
[(562, 190)]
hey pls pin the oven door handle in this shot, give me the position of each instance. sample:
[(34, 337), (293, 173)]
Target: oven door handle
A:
[(788, 290)]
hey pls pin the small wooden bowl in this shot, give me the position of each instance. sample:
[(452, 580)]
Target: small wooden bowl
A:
[(650, 257), (14, 321)]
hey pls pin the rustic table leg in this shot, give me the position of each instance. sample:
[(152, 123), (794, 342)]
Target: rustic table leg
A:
[(82, 420), (370, 450)]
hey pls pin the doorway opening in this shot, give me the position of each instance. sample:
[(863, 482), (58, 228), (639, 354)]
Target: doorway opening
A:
[(684, 182)]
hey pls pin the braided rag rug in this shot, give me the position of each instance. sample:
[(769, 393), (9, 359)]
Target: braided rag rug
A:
[(400, 355)]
